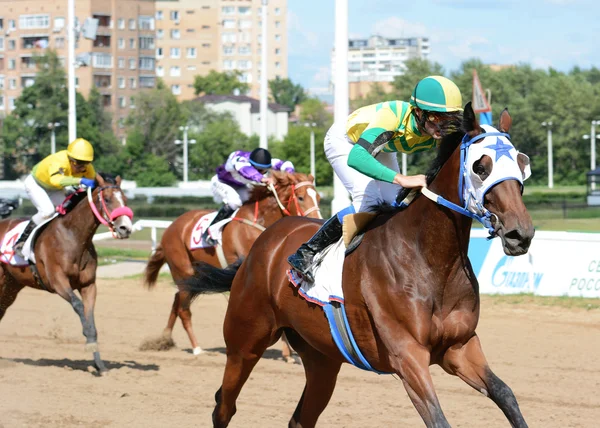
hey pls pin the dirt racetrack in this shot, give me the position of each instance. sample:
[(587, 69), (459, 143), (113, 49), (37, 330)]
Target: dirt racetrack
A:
[(549, 356)]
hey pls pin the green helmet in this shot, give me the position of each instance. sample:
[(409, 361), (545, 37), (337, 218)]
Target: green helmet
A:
[(436, 93)]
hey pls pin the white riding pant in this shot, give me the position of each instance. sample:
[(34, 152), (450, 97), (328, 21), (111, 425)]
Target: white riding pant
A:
[(234, 197), (366, 192), (45, 201)]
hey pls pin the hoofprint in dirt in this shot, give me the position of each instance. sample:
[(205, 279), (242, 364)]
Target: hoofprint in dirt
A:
[(547, 355)]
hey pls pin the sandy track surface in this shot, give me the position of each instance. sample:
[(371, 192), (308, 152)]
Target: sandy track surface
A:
[(547, 355)]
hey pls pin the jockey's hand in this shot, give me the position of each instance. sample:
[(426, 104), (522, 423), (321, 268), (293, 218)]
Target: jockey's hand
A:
[(411, 181), (88, 182), (267, 180)]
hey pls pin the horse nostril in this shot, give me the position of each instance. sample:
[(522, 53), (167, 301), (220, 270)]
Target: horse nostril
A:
[(518, 236), (124, 229)]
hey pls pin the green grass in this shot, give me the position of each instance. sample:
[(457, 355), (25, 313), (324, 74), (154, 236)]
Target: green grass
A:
[(557, 189), (110, 255), (555, 301)]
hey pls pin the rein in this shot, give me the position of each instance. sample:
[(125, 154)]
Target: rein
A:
[(285, 209), (484, 216), (107, 217)]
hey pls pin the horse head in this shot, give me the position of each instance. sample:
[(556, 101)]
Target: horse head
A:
[(296, 194), (493, 172), (110, 203)]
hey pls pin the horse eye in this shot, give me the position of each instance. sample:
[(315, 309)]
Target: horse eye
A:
[(479, 169), (301, 198)]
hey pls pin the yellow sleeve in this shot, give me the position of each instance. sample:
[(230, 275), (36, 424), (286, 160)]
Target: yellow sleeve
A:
[(90, 172), (384, 124)]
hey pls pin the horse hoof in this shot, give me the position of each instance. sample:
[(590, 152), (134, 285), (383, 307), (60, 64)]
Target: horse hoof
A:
[(197, 350), (91, 347), (290, 360)]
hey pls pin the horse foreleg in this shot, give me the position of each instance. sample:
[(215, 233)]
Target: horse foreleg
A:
[(8, 293), (413, 369), (321, 375), (186, 319), (469, 363)]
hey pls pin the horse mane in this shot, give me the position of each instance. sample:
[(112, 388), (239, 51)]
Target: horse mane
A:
[(108, 178), (281, 179)]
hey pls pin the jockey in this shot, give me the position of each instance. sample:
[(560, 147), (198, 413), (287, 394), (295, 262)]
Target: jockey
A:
[(362, 152), (230, 184), (48, 179)]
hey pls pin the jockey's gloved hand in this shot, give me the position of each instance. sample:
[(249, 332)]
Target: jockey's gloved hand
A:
[(88, 182)]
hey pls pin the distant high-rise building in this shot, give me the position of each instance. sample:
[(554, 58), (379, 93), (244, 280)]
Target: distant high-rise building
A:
[(378, 60), (119, 62), (196, 36)]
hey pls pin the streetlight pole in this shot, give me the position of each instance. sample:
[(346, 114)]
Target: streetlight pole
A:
[(185, 150), (71, 70), (52, 127), (341, 103), (263, 80), (404, 162), (548, 124), (312, 151)]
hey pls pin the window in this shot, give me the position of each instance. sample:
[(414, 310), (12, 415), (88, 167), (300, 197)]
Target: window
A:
[(34, 21), (160, 34), (159, 52), (228, 64), (246, 37), (245, 23), (277, 23), (175, 52), (244, 10), (160, 71), (228, 37), (121, 62), (12, 45), (159, 15), (146, 42), (1, 82), (190, 12), (191, 67), (101, 60), (244, 50), (132, 82), (191, 30), (175, 71), (147, 63), (131, 43), (12, 24), (12, 64), (1, 43), (277, 51), (132, 24), (191, 52), (121, 82), (11, 103), (176, 89), (277, 65), (131, 102), (122, 102), (146, 23), (121, 23), (1, 23), (175, 34), (12, 83), (277, 37), (229, 23), (59, 23), (246, 77), (147, 81), (205, 27), (121, 43), (244, 65), (277, 11), (132, 63), (228, 10), (206, 45), (174, 15), (1, 102)]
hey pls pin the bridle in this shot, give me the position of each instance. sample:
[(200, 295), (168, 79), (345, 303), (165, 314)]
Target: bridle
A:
[(107, 217), (294, 199)]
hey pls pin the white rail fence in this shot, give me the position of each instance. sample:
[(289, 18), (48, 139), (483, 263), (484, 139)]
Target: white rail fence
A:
[(154, 225)]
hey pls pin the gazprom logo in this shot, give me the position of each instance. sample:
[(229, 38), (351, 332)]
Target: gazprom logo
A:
[(507, 275)]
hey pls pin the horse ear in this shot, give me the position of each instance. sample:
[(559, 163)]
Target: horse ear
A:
[(470, 122), (524, 165), (100, 180), (505, 121), (118, 181), (311, 178)]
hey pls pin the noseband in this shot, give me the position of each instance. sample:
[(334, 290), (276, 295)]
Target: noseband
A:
[(294, 199), (107, 217)]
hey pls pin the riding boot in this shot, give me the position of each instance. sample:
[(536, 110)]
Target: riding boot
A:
[(329, 233), (224, 212), (18, 246)]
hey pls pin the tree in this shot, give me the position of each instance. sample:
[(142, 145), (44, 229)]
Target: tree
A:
[(147, 169), (220, 83), (416, 69), (377, 94), (313, 110), (286, 93)]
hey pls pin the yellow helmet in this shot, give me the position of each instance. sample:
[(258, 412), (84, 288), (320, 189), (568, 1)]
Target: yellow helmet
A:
[(81, 149)]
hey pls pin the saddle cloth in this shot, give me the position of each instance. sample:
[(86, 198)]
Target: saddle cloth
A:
[(215, 231), (7, 254)]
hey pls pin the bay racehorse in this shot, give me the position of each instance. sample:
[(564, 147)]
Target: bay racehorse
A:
[(411, 296), (66, 259), (295, 195)]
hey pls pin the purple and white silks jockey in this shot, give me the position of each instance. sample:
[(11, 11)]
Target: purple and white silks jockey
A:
[(229, 185)]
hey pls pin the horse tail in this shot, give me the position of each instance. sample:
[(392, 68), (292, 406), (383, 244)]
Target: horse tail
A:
[(153, 267), (208, 279)]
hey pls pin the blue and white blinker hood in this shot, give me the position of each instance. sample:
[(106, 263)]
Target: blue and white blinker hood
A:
[(508, 164)]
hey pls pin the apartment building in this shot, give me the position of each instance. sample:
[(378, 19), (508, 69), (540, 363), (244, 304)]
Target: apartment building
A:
[(119, 62), (379, 59), (196, 36)]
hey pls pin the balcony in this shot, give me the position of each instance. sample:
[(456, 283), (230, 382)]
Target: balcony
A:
[(27, 81), (106, 100), (39, 42), (102, 42), (28, 64), (103, 20), (102, 81)]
